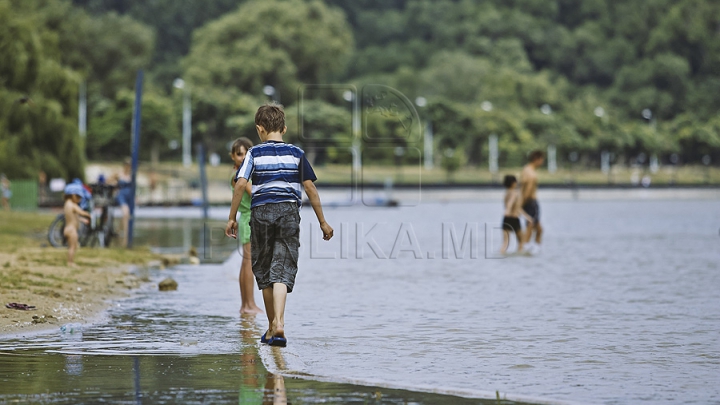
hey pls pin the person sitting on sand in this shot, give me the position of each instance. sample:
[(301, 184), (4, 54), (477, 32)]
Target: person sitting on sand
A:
[(247, 281), (513, 210), (73, 196)]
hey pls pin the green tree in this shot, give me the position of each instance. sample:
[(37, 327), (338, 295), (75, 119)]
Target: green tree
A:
[(38, 96)]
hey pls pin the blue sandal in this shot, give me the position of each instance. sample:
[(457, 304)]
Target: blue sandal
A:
[(263, 339), (277, 341)]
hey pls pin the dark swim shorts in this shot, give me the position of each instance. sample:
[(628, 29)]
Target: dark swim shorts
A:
[(533, 209), (511, 224), (275, 242)]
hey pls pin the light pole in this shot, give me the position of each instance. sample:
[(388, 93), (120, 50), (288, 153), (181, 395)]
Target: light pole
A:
[(271, 92), (186, 121), (427, 137), (648, 115)]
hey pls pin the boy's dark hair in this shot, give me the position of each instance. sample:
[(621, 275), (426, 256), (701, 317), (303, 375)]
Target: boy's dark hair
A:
[(271, 116), (247, 143), (509, 181), (535, 155)]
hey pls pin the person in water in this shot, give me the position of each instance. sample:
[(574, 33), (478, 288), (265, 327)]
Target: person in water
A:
[(279, 172), (529, 186), (513, 210), (247, 281)]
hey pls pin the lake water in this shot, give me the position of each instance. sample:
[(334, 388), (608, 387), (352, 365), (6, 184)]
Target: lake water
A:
[(620, 307)]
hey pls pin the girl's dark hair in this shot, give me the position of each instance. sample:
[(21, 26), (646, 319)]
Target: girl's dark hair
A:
[(247, 143), (509, 180)]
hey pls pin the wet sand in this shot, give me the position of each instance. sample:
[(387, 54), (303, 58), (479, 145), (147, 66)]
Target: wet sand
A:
[(34, 274)]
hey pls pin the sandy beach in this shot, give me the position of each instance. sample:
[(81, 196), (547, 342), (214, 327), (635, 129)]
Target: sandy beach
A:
[(34, 274)]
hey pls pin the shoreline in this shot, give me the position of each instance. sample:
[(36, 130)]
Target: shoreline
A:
[(34, 274)]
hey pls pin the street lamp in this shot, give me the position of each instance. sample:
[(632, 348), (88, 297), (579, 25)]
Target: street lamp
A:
[(428, 137), (271, 92), (186, 121), (648, 115)]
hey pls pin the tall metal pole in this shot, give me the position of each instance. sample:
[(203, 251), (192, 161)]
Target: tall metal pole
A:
[(493, 147), (82, 110), (135, 152), (428, 146), (187, 122), (552, 158), (203, 179), (357, 153)]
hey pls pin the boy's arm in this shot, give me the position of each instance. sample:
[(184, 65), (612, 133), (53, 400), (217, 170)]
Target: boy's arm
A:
[(81, 212), (248, 188), (314, 198), (231, 228)]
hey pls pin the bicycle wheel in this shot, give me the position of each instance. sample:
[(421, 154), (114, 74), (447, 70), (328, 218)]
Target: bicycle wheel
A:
[(55, 233), (109, 228), (85, 235)]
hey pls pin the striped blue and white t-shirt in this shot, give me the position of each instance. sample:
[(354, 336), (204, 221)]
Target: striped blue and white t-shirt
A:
[(278, 170)]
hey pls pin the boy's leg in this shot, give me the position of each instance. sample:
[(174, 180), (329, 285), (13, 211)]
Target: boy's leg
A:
[(279, 297), (506, 241), (269, 308), (528, 232), (261, 247), (72, 239), (538, 233), (519, 236), (283, 267)]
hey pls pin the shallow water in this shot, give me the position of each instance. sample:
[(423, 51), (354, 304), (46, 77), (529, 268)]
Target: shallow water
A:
[(187, 346), (620, 307)]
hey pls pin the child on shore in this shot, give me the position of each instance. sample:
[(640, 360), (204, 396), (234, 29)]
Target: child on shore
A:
[(73, 196), (247, 281), (513, 210), (279, 172)]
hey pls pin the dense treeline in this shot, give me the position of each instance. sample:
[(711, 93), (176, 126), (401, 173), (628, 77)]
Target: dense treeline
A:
[(632, 77)]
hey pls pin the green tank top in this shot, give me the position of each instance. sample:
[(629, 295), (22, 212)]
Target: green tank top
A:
[(245, 202)]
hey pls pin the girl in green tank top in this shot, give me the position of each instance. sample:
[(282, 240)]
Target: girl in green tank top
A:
[(247, 280)]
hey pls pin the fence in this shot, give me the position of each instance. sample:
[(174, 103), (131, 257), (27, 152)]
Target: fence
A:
[(24, 195)]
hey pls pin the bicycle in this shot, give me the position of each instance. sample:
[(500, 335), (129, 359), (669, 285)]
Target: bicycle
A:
[(101, 229)]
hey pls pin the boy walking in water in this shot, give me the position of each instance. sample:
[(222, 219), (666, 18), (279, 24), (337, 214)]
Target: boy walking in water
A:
[(247, 296), (513, 210), (529, 184), (279, 172), (73, 195)]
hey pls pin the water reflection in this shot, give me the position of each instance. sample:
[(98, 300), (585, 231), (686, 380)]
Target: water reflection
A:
[(33, 372)]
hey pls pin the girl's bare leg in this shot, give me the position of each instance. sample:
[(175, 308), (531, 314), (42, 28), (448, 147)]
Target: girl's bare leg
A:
[(247, 284)]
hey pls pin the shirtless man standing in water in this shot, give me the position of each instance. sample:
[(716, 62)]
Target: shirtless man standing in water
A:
[(529, 184)]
